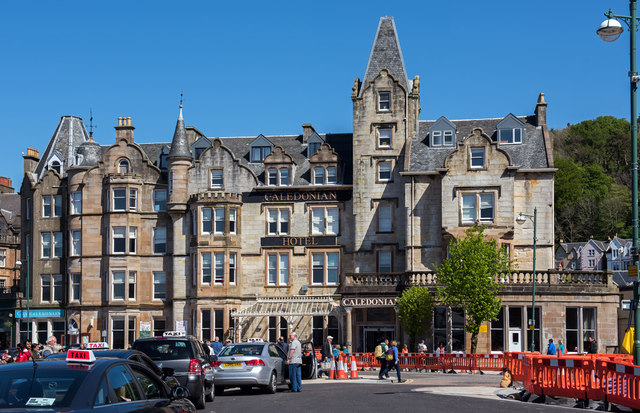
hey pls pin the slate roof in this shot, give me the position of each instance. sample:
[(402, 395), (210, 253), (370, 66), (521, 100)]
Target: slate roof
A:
[(530, 154), (68, 136), (386, 54), (292, 144), (568, 246), (10, 209), (180, 143)]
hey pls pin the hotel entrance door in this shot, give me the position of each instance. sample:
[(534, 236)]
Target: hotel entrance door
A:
[(372, 336)]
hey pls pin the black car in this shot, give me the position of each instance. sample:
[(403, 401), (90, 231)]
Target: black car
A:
[(165, 373), (189, 360), (83, 383)]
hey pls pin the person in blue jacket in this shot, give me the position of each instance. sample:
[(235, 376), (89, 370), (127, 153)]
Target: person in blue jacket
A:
[(551, 350), (393, 350)]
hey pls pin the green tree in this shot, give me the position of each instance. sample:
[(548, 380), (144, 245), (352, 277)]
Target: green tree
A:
[(415, 309), (467, 279)]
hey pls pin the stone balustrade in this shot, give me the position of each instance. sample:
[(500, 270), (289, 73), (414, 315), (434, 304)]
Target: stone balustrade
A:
[(354, 282)]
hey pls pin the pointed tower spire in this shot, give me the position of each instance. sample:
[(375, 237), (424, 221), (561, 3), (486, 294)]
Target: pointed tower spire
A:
[(180, 143), (386, 54)]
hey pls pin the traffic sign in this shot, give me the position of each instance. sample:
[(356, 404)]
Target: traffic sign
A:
[(632, 271)]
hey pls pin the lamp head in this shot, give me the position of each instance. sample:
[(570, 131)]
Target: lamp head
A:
[(521, 219), (610, 30)]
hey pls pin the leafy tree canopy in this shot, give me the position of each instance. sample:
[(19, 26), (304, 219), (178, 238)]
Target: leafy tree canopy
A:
[(467, 278), (415, 309)]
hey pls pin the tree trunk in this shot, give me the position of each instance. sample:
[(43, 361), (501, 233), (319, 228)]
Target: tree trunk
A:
[(474, 341)]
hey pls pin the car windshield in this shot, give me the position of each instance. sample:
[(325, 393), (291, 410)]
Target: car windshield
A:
[(49, 388), (164, 349), (242, 350)]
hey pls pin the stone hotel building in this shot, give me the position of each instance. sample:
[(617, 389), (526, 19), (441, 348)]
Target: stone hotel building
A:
[(313, 232)]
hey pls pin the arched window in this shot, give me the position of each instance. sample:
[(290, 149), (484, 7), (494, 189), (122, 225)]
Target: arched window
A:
[(55, 165), (123, 166)]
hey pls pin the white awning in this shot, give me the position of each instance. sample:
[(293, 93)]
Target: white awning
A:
[(289, 306)]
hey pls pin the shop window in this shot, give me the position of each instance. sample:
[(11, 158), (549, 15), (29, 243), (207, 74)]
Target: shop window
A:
[(205, 328), (536, 332), (580, 324), (333, 328), (439, 326), (117, 332), (497, 332)]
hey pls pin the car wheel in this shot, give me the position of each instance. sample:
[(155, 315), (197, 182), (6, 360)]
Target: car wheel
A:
[(211, 395), (272, 387), (200, 402), (218, 390)]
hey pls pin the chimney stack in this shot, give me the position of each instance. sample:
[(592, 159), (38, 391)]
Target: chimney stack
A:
[(307, 131), (31, 160), (124, 130), (5, 185), (541, 110)]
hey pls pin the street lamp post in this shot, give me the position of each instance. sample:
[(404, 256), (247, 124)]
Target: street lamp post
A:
[(522, 218), (609, 31)]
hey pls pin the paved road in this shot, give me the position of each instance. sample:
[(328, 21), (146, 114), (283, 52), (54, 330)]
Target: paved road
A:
[(422, 393)]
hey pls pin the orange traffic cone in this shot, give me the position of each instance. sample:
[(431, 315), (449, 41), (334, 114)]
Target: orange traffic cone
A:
[(341, 374), (332, 372), (354, 369)]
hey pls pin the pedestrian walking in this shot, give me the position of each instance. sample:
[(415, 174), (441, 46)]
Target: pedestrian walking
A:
[(380, 353), (405, 349), (216, 346), (561, 350), (327, 349), (294, 361), (283, 345), (393, 361), (52, 346), (422, 347), (551, 348), (593, 346), (23, 353), (440, 349)]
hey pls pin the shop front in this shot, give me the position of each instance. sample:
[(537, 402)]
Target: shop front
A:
[(370, 320), (38, 325)]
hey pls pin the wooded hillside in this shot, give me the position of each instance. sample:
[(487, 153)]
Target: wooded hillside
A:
[(593, 181)]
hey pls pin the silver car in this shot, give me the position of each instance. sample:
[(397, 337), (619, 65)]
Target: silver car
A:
[(246, 365)]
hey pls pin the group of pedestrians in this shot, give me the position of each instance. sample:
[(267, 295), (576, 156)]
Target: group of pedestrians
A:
[(32, 351), (387, 353), (591, 347)]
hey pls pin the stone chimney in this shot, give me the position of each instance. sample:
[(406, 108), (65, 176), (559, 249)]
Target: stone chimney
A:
[(124, 130), (541, 110), (31, 160), (307, 131)]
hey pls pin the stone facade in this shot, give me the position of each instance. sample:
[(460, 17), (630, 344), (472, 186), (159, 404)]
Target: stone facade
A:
[(316, 233)]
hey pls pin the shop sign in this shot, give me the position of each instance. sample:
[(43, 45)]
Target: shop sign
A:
[(369, 302), (39, 313)]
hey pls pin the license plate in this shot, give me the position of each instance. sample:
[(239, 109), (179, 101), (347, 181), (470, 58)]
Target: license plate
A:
[(233, 364)]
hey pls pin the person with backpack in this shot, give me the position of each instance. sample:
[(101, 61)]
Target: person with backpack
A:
[(380, 353), (393, 361)]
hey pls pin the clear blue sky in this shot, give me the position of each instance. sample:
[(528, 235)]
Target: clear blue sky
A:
[(267, 67)]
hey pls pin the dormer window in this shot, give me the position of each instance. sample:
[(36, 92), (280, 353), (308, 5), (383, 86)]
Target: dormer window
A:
[(258, 153), (384, 101), (313, 144), (123, 167), (313, 148), (510, 135), (510, 130), (55, 165), (442, 133)]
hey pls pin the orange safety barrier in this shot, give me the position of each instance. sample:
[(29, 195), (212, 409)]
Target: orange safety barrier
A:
[(488, 362), (620, 383)]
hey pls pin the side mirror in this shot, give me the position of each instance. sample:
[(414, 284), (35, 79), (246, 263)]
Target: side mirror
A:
[(180, 392), (167, 372)]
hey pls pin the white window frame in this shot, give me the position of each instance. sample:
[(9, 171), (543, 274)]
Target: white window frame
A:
[(324, 267), (321, 222), (218, 218), (119, 233), (514, 138), (382, 168), (124, 167), (75, 282), (284, 177), (475, 154), (382, 140), (477, 207), (44, 242), (218, 268), (206, 217), (233, 220), (281, 272), (124, 197), (332, 178), (279, 217), (384, 96), (133, 199), (219, 178), (76, 202), (263, 151), (123, 283), (76, 243), (55, 206), (206, 269), (233, 268), (132, 240), (3, 257)]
